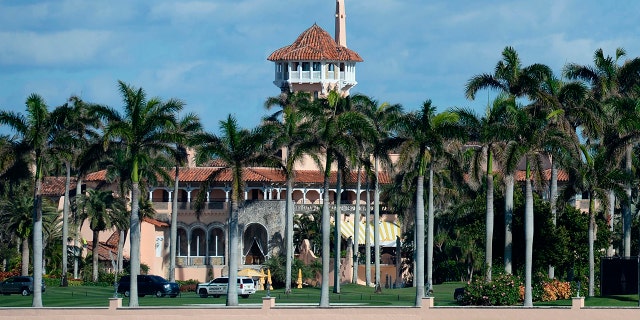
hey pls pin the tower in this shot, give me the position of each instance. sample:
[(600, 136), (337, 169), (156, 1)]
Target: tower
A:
[(316, 62)]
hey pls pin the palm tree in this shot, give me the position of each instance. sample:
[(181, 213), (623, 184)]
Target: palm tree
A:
[(17, 216), (335, 125), (384, 117), (98, 207), (596, 176), (610, 81), (423, 136), (34, 129), (511, 78), (73, 127), (238, 148), (487, 132), (293, 134), (184, 131), (142, 131)]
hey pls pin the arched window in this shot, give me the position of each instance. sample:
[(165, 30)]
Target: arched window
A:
[(197, 243), (255, 243), (216, 243), (183, 243)]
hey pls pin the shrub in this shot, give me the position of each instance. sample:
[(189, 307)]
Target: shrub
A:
[(187, 285), (504, 290)]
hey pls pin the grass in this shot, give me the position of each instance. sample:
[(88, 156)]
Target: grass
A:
[(88, 296)]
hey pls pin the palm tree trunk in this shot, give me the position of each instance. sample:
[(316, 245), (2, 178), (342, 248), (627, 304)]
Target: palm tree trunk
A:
[(94, 256), (611, 220), (626, 207), (337, 236), (508, 220), (376, 225), (419, 245), (326, 225), (367, 238), (65, 225), (77, 226), (134, 242), (174, 227), (430, 231), (356, 231), (528, 236), (592, 222), (25, 256), (37, 238), (553, 199), (232, 290), (489, 228), (121, 241), (289, 233)]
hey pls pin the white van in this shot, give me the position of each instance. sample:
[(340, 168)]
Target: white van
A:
[(218, 287)]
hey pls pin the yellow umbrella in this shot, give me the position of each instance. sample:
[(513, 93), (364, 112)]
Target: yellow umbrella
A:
[(269, 279), (299, 278)]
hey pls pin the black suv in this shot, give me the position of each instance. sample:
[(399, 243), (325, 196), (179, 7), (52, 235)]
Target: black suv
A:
[(149, 284), (19, 284)]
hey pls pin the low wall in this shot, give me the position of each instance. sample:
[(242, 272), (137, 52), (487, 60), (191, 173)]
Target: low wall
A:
[(270, 310)]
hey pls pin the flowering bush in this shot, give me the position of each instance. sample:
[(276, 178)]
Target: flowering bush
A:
[(502, 291), (554, 290)]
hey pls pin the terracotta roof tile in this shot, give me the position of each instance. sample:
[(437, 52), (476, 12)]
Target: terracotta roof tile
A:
[(54, 186), (155, 222), (314, 44)]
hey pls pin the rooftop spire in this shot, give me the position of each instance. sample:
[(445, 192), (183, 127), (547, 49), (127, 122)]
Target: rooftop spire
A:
[(341, 25)]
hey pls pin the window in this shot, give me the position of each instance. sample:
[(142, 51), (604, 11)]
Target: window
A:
[(216, 243), (316, 66), (331, 66), (197, 242), (182, 242), (306, 66)]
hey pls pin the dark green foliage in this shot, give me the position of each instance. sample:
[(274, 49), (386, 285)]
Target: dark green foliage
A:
[(504, 290)]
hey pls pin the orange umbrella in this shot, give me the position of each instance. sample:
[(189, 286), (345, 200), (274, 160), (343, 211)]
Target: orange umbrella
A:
[(269, 279)]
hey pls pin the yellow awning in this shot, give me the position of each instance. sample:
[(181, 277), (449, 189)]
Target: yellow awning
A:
[(388, 232)]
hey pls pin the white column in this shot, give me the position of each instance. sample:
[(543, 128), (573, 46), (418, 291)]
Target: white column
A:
[(170, 195)]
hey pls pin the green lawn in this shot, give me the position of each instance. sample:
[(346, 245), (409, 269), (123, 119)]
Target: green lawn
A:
[(88, 296)]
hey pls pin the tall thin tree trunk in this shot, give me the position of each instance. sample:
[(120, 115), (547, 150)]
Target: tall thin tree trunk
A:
[(326, 225), (121, 240), (489, 219), (528, 236), (289, 233), (134, 243), (626, 207), (232, 290), (419, 245), (553, 204), (430, 228), (592, 223), (65, 225), (94, 256), (367, 238), (337, 233), (509, 180), (376, 225), (37, 238), (611, 220), (356, 231), (76, 242), (174, 226)]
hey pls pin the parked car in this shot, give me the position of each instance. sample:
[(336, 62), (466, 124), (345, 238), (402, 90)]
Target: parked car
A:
[(218, 287), (458, 294), (149, 284), (19, 284)]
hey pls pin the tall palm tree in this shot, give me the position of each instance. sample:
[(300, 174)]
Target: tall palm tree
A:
[(423, 135), (596, 176), (238, 148), (98, 207), (487, 131), (73, 127), (34, 129), (610, 81), (142, 131), (292, 133), (184, 133), (17, 216), (384, 118), (335, 125), (511, 78)]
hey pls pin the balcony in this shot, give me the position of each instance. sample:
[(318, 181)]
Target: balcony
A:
[(209, 207), (194, 261)]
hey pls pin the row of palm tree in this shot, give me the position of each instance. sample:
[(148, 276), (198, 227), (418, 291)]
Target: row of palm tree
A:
[(586, 126)]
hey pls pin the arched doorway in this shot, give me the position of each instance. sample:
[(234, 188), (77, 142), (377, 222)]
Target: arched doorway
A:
[(255, 243)]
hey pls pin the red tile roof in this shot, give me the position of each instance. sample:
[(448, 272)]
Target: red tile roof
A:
[(314, 44), (54, 186)]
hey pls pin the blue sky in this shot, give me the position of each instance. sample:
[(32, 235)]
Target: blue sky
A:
[(212, 54)]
